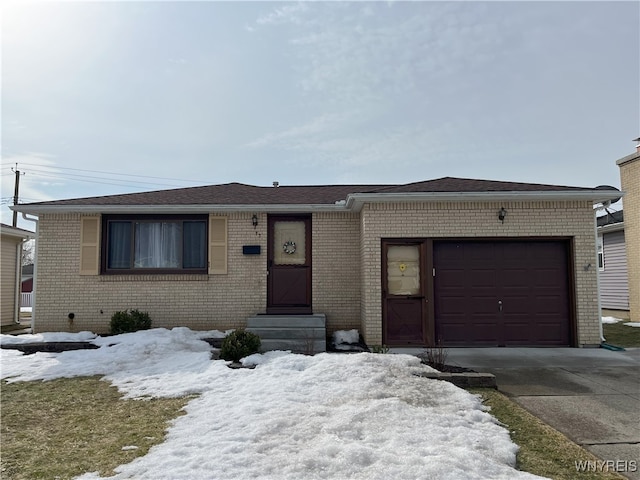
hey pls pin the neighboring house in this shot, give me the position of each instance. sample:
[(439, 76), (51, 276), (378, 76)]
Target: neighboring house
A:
[(612, 263), (12, 240), (466, 262), (27, 278), (630, 183)]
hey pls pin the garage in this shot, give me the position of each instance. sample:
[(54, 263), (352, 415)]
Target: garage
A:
[(502, 293)]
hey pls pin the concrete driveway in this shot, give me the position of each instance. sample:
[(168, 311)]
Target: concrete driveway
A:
[(592, 395)]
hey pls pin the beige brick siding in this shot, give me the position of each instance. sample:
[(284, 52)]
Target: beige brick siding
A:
[(471, 219), (336, 269), (630, 182), (201, 302), (347, 258)]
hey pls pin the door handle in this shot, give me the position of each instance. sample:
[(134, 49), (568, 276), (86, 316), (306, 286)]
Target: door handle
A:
[(500, 305)]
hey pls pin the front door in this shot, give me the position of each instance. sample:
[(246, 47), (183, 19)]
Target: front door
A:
[(289, 265), (404, 301)]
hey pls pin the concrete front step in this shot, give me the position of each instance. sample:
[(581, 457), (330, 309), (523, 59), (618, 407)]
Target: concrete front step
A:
[(271, 321), (290, 333), (298, 333)]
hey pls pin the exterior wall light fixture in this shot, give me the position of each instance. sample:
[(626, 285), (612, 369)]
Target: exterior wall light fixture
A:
[(502, 214), (254, 220)]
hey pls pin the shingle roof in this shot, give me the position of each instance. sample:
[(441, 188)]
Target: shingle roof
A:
[(241, 194)]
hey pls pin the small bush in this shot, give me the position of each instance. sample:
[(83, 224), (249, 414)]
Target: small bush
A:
[(379, 349), (239, 344), (436, 357), (129, 321)]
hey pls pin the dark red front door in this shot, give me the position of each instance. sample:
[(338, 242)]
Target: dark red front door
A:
[(289, 265), (404, 311)]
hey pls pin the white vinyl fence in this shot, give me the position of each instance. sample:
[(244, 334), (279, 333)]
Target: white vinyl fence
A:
[(26, 299)]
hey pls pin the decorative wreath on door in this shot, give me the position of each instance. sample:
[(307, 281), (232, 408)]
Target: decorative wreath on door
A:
[(289, 247)]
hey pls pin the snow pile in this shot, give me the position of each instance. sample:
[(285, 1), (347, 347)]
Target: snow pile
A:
[(347, 341), (47, 337), (361, 416), (616, 320), (346, 336), (610, 320)]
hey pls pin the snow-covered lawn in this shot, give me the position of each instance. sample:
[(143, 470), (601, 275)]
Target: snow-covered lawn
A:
[(333, 416)]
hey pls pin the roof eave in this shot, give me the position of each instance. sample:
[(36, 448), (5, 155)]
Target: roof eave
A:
[(356, 200), (17, 233), (611, 227), (629, 158), (167, 209), (353, 202)]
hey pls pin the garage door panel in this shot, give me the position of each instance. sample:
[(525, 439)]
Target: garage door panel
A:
[(515, 306), (517, 334), (459, 334), (454, 278), (452, 305), (550, 305), (484, 305), (481, 277), (515, 277), (530, 278)]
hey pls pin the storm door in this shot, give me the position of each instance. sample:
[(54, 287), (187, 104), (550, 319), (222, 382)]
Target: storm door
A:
[(289, 265), (404, 300)]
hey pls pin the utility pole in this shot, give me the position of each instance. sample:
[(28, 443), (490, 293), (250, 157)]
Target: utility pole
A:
[(15, 196)]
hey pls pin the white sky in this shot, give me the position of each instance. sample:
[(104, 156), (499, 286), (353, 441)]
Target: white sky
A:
[(314, 93), (328, 416)]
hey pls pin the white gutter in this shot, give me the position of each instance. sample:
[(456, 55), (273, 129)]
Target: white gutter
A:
[(597, 268), (18, 282), (610, 227), (35, 272), (197, 208), (354, 202)]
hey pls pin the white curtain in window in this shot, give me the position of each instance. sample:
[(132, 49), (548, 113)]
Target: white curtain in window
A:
[(119, 245), (157, 245)]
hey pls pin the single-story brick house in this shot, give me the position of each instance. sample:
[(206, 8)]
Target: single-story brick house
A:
[(468, 262)]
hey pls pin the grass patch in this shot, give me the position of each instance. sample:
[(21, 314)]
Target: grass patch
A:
[(621, 335), (64, 428), (543, 450)]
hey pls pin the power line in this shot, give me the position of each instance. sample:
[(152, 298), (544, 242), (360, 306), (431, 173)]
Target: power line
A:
[(49, 173), (91, 181), (111, 173)]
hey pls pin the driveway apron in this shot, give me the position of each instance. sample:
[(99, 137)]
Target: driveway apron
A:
[(591, 395)]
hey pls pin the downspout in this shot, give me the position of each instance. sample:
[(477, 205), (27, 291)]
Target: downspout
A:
[(595, 233), (18, 283), (35, 271)]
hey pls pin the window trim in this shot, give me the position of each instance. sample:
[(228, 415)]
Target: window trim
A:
[(104, 247)]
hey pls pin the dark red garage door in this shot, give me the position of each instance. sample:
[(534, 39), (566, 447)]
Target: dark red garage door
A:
[(501, 293)]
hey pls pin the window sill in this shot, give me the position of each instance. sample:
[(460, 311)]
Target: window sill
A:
[(174, 277)]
